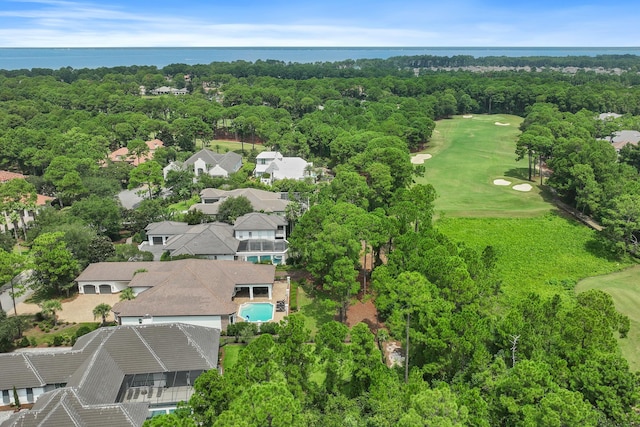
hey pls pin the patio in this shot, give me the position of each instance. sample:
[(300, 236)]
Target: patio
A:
[(279, 293)]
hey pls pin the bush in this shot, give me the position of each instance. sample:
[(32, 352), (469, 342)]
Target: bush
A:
[(58, 340), (244, 329), (24, 342), (270, 328), (33, 341), (82, 330)]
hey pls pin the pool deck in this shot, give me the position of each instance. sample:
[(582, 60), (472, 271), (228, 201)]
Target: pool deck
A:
[(279, 293)]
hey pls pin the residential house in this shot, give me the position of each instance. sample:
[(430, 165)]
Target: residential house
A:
[(254, 237), (166, 90), (122, 154), (207, 162), (623, 137), (115, 376), (272, 166), (261, 200), (194, 291), (6, 222)]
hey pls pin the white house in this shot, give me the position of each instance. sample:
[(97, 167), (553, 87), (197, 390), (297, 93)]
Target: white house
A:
[(272, 166), (207, 162), (261, 200)]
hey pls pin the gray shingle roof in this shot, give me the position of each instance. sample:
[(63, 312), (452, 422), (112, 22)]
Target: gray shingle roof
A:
[(227, 161), (204, 239), (263, 201), (167, 227), (64, 407), (99, 360), (259, 221)]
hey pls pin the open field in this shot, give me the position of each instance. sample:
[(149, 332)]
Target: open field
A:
[(222, 146), (468, 154), (536, 254), (624, 288)]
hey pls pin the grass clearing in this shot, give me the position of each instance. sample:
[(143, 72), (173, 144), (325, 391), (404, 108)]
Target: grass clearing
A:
[(534, 252), (468, 154), (624, 288), (231, 352), (316, 308), (223, 146)]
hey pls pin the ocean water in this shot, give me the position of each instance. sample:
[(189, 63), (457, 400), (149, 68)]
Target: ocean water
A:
[(55, 58)]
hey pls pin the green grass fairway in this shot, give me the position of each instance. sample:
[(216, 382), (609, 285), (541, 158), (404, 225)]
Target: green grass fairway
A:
[(225, 146), (468, 154), (624, 288), (535, 254)]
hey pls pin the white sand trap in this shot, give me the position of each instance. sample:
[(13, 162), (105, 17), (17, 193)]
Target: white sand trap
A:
[(418, 159), (501, 182), (467, 116), (501, 124), (522, 187)]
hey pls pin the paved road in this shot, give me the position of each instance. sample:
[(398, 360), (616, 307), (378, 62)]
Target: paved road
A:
[(6, 302)]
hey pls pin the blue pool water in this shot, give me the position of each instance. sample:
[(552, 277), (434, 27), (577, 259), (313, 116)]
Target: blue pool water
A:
[(256, 311)]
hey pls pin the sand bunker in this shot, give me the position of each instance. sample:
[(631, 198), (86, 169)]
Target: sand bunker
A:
[(522, 187), (501, 182), (420, 158), (501, 124), (467, 116)]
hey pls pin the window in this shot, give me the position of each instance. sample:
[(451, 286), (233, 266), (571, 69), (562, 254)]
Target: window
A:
[(5, 397)]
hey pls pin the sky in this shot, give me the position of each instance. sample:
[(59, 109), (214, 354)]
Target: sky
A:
[(236, 23)]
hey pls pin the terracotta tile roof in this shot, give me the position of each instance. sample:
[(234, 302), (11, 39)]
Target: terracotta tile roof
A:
[(8, 176)]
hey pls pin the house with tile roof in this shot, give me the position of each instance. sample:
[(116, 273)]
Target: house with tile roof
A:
[(113, 376), (122, 154), (272, 166), (623, 137), (194, 291), (261, 200), (207, 162), (254, 237)]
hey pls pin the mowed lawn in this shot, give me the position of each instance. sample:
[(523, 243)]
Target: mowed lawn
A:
[(536, 254), (624, 288), (468, 155)]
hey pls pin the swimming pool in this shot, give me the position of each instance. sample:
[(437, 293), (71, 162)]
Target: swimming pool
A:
[(256, 311)]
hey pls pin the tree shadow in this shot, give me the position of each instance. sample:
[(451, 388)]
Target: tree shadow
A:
[(604, 248), (518, 173)]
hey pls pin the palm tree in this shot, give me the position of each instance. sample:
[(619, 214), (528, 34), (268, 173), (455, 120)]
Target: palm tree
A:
[(102, 310), (49, 309), (127, 294)]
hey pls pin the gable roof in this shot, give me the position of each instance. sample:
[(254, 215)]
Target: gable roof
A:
[(288, 167), (194, 287), (64, 407), (204, 239), (261, 200), (227, 161), (97, 362), (167, 227), (624, 137), (259, 221)]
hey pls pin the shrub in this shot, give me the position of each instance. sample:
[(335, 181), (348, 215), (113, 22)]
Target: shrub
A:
[(58, 340), (270, 328), (33, 341), (244, 329), (24, 342), (82, 330)]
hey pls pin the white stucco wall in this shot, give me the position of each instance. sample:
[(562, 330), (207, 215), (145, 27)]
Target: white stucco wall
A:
[(209, 321), (256, 234), (116, 286)]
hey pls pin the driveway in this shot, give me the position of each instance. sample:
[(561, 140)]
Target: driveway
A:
[(79, 309)]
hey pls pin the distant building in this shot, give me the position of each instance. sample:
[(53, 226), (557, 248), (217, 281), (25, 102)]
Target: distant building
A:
[(166, 90), (6, 222), (122, 154), (207, 162)]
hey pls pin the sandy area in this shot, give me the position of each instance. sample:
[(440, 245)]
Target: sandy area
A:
[(501, 124), (522, 187), (467, 116), (80, 309), (420, 158), (501, 182)]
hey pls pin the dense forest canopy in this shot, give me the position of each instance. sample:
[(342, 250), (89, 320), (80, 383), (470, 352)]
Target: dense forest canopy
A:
[(475, 359)]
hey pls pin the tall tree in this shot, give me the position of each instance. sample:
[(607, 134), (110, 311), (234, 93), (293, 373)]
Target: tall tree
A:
[(54, 265), (102, 311)]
